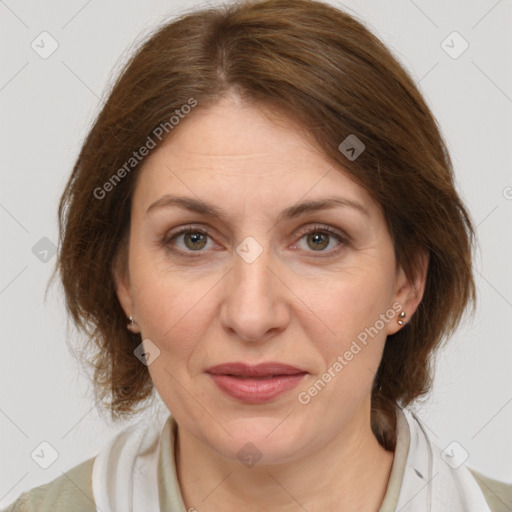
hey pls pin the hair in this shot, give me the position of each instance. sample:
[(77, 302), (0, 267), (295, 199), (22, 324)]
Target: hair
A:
[(323, 68)]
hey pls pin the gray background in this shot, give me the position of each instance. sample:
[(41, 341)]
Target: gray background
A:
[(47, 106)]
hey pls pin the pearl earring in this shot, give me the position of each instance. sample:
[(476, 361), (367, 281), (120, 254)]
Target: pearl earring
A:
[(131, 326), (401, 315)]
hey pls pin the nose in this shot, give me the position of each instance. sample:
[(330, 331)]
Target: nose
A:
[(255, 306)]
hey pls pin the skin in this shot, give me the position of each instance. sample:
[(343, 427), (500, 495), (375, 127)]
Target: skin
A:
[(296, 303)]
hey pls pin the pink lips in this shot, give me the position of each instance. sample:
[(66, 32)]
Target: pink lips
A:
[(255, 384)]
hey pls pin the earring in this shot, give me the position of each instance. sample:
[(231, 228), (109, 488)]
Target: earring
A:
[(131, 326), (401, 315)]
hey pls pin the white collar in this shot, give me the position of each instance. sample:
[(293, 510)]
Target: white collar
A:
[(430, 483)]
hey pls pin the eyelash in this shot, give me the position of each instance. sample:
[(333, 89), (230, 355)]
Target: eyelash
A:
[(318, 228)]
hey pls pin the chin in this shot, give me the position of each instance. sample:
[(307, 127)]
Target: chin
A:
[(259, 441)]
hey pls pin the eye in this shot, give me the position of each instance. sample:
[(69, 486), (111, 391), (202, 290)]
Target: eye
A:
[(319, 237), (194, 239)]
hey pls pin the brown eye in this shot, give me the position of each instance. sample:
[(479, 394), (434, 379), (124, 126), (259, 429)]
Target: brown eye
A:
[(194, 240), (318, 241), (319, 237), (191, 239)]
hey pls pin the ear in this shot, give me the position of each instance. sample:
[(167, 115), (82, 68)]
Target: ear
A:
[(123, 287), (409, 291)]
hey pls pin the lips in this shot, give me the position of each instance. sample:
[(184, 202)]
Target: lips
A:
[(270, 369), (255, 384)]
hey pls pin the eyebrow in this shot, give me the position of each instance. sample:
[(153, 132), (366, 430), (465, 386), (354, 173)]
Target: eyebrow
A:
[(203, 208)]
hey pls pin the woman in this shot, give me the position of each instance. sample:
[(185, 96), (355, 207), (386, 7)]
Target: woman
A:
[(262, 225)]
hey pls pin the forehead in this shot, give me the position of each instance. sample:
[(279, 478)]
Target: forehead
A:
[(231, 133), (239, 153)]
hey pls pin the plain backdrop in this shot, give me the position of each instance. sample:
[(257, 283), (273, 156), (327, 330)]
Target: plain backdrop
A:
[(47, 106)]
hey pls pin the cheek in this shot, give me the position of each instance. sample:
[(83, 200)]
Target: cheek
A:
[(350, 304), (352, 349), (174, 314), (173, 308)]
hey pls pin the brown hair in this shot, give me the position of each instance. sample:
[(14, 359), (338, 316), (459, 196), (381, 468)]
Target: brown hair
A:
[(325, 69)]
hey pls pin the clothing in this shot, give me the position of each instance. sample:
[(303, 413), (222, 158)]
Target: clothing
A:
[(141, 458)]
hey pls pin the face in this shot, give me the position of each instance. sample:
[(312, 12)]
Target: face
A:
[(254, 282)]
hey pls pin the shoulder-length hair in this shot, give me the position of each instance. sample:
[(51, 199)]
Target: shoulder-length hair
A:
[(325, 69)]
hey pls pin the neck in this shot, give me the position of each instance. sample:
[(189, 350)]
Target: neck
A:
[(349, 473)]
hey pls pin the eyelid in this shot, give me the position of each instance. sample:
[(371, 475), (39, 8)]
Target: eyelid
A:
[(342, 238), (189, 228), (323, 227)]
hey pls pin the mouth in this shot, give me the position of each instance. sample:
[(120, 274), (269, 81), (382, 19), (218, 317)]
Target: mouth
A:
[(265, 370), (255, 384)]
